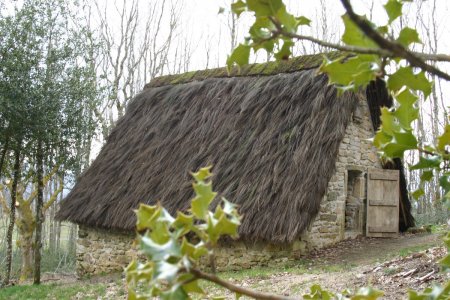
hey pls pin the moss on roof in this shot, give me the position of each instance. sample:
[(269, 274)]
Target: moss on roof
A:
[(270, 68)]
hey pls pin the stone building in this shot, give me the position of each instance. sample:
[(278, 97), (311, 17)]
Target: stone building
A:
[(285, 146)]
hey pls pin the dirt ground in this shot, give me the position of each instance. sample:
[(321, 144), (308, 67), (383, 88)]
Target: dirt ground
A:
[(381, 263), (392, 265)]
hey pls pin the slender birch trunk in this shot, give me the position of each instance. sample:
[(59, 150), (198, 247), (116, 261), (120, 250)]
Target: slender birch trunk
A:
[(12, 215)]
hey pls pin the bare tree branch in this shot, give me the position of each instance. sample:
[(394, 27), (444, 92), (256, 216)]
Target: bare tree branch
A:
[(392, 46), (235, 288)]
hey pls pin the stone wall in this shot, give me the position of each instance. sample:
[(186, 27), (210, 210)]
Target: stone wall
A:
[(101, 251), (356, 153)]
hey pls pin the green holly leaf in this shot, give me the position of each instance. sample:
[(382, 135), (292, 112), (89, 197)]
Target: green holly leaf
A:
[(413, 295), (288, 21), (354, 36), (444, 183), (368, 293), (142, 272), (228, 207), (193, 251), (445, 261), (227, 226), (183, 223), (406, 138), (427, 162), (165, 271), (204, 196), (202, 174), (408, 36), (388, 122), (159, 233), (395, 150), (447, 240), (193, 286), (381, 139), (131, 294), (353, 72), (165, 216), (406, 97), (436, 292), (175, 293), (158, 252), (316, 292), (444, 139), (238, 7), (261, 29), (393, 9), (220, 223), (303, 21), (183, 220), (383, 29), (418, 193), (285, 52), (266, 45), (265, 8), (405, 77), (239, 56), (146, 216), (426, 176), (406, 115), (130, 271)]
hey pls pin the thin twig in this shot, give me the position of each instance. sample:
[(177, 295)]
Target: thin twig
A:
[(426, 276), (388, 49), (235, 288)]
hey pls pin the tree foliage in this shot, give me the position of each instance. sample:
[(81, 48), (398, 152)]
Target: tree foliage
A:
[(45, 94)]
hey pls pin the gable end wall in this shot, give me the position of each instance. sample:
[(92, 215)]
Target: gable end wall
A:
[(356, 153)]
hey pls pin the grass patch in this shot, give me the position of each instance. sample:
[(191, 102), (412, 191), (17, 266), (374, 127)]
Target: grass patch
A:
[(390, 271), (414, 249), (297, 267), (440, 229), (52, 291)]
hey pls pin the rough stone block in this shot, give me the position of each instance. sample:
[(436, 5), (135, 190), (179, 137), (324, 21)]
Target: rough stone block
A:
[(328, 217), (299, 246), (332, 196)]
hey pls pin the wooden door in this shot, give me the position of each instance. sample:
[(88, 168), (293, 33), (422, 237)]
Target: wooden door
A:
[(382, 203)]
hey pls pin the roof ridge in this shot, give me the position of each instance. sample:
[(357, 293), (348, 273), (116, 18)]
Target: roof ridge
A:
[(299, 63)]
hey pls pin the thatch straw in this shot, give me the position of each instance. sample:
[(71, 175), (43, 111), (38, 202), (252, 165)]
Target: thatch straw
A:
[(272, 141)]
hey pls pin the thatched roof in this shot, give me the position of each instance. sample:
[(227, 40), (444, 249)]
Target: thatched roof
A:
[(272, 141)]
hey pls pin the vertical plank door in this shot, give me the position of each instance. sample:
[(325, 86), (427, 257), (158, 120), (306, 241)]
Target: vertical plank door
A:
[(382, 203)]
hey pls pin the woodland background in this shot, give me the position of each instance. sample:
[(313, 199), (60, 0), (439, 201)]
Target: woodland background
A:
[(114, 48)]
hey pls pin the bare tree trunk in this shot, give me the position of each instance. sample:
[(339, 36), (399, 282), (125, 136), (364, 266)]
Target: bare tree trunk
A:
[(12, 215), (52, 230), (72, 240), (2, 158), (51, 221), (58, 236), (39, 215), (27, 257), (422, 138)]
